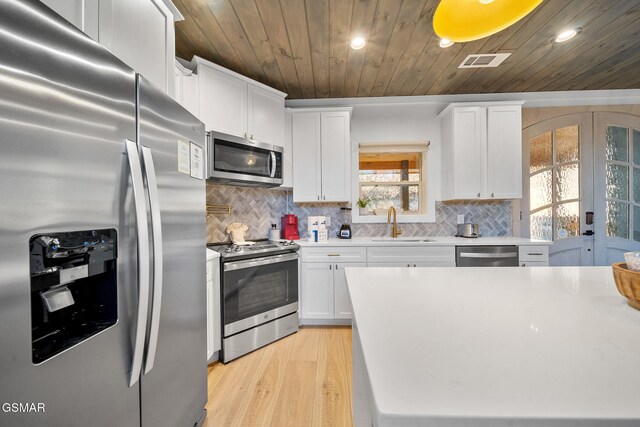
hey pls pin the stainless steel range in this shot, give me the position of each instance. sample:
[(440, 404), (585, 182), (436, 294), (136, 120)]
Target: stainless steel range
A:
[(259, 286)]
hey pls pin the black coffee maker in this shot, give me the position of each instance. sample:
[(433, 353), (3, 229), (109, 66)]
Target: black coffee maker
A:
[(345, 228)]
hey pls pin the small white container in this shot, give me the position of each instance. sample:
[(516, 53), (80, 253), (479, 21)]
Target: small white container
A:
[(274, 234), (633, 260)]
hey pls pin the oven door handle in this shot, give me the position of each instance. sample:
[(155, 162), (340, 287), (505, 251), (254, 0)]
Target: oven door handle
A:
[(230, 266)]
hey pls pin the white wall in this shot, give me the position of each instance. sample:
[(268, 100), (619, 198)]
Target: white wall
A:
[(399, 123)]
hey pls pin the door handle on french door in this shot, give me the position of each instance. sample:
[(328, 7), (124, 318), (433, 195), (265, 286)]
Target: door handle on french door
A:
[(156, 236), (588, 233), (142, 233)]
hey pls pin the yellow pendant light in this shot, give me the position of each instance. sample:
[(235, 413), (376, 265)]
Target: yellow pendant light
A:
[(465, 20)]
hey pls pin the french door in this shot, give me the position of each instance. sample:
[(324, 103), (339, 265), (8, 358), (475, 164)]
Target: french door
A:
[(617, 189), (582, 186)]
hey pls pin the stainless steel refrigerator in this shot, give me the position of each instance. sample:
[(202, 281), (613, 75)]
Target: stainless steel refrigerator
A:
[(102, 236)]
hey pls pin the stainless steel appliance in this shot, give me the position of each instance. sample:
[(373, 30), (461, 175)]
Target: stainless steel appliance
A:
[(259, 295), (468, 230), (102, 291), (245, 162), (486, 256)]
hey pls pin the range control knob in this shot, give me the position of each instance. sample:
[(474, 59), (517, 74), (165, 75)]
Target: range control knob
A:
[(291, 242), (285, 243)]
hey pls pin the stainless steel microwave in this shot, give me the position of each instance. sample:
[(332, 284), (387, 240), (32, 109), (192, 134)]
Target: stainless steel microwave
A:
[(240, 161)]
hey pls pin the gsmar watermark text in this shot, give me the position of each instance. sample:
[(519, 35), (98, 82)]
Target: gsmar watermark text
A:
[(23, 407)]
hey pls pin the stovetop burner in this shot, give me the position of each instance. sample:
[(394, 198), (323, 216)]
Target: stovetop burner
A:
[(263, 247)]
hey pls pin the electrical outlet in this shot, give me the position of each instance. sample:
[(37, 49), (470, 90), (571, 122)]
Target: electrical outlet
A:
[(328, 221), (460, 219)]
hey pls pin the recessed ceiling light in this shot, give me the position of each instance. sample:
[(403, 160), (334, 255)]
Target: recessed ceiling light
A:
[(445, 43), (357, 43), (566, 35), (485, 1)]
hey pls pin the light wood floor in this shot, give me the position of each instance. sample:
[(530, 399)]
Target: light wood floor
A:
[(301, 380)]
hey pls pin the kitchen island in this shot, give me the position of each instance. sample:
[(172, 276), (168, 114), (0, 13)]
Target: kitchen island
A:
[(547, 346)]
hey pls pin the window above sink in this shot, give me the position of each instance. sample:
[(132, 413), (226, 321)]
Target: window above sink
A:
[(393, 174)]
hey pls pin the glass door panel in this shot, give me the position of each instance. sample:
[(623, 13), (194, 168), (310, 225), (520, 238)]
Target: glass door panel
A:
[(554, 184), (559, 187), (617, 171), (620, 183)]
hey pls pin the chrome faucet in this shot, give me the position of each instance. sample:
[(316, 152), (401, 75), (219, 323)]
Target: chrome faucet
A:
[(395, 231)]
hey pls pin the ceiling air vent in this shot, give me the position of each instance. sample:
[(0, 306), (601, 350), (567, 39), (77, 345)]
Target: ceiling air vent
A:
[(484, 60)]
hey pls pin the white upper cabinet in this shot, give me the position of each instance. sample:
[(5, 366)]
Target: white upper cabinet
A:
[(266, 115), (187, 90), (139, 32), (83, 14), (287, 158), (321, 141), (236, 105), (223, 101), (307, 172), (504, 152), (482, 151)]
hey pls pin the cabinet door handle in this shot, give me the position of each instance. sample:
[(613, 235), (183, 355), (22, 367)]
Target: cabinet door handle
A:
[(478, 194), (414, 265), (408, 265), (330, 266), (492, 195), (333, 254), (535, 253), (324, 197), (318, 197)]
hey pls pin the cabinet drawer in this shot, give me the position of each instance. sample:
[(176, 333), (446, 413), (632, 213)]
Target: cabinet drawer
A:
[(534, 264), (533, 253), (334, 254), (435, 256)]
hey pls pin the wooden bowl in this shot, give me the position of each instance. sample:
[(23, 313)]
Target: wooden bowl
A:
[(628, 283)]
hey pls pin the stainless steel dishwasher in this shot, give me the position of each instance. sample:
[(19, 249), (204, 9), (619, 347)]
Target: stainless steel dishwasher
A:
[(486, 256)]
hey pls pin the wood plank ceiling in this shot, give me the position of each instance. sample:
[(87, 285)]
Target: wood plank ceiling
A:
[(302, 47)]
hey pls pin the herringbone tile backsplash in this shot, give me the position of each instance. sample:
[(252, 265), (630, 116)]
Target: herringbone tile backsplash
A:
[(259, 208)]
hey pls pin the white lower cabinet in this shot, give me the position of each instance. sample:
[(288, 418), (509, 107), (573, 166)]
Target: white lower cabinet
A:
[(214, 326), (323, 290), (534, 264), (411, 256), (341, 300), (317, 291), (408, 264), (533, 256), (209, 312)]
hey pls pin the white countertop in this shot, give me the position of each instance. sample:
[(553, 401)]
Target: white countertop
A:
[(433, 241), (497, 346), (211, 254)]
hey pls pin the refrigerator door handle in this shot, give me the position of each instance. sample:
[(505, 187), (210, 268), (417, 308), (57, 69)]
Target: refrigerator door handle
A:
[(156, 236), (142, 233)]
